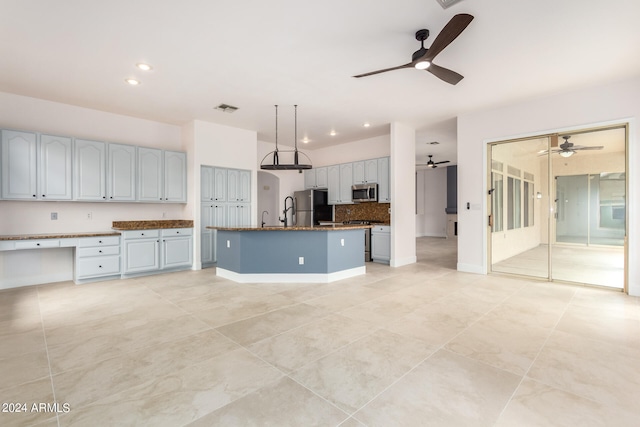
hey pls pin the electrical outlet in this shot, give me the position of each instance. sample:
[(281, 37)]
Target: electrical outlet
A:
[(228, 243), (164, 214), (301, 260), (89, 215), (54, 216), (341, 242)]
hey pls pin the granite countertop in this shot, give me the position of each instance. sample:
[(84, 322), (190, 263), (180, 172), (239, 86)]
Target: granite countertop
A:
[(152, 224), (59, 235), (293, 228)]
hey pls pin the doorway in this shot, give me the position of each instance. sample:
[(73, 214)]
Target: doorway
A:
[(558, 206)]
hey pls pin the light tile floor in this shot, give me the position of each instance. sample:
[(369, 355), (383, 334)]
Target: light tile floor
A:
[(417, 345)]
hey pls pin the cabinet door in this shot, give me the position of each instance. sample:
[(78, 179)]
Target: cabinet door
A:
[(371, 170), (220, 185), (310, 178), (358, 173), (346, 181), (233, 185), (19, 165), (321, 177), (175, 176), (245, 186), (176, 252), (381, 246), (219, 215), (206, 183), (333, 184), (233, 216), (244, 216), (55, 170), (384, 195), (150, 175), (90, 170), (141, 255), (121, 172)]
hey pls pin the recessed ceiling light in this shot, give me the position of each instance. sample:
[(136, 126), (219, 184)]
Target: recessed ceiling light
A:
[(305, 140), (143, 66), (367, 124), (132, 82), (332, 133)]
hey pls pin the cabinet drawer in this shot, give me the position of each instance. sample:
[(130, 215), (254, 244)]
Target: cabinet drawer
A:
[(37, 244), (98, 266), (381, 229), (170, 232), (98, 251), (140, 234), (98, 241)]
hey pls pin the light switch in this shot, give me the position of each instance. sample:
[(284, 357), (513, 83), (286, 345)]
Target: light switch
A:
[(228, 243), (341, 242)]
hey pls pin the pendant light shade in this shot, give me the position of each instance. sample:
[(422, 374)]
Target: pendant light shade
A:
[(275, 160)]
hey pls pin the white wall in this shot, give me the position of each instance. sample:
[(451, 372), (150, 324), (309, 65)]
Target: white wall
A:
[(16, 217), (431, 218), (613, 103), (363, 149), (268, 198), (403, 195)]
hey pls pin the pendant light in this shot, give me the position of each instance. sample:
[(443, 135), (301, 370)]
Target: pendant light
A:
[(274, 163)]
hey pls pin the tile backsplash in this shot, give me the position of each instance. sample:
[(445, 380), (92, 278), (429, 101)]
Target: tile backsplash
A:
[(370, 211)]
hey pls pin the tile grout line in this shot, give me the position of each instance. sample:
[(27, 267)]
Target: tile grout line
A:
[(542, 347), (46, 347)]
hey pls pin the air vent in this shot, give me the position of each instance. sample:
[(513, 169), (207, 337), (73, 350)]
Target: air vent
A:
[(225, 108), (433, 143), (447, 3)]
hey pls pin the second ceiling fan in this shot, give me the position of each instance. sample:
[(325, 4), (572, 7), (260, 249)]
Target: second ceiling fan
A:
[(431, 164), (422, 59)]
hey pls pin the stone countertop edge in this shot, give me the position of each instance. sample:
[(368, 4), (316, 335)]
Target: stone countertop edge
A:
[(152, 224), (59, 235), (293, 228)]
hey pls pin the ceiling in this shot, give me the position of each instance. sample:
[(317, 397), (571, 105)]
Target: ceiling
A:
[(254, 54)]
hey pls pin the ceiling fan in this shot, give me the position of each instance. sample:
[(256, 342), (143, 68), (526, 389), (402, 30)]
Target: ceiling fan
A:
[(568, 149), (422, 59), (431, 164)]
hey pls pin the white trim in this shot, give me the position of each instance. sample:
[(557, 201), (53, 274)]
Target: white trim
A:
[(399, 262), (290, 277), (471, 268)]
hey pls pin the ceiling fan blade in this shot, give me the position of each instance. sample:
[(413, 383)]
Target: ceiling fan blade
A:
[(439, 163), (409, 65), (445, 74), (449, 33), (594, 147)]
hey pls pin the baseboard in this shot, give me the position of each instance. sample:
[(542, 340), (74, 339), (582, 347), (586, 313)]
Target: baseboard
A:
[(471, 268), (289, 278), (399, 262)]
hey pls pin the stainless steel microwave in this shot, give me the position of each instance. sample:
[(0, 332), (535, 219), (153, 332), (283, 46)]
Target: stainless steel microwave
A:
[(364, 193)]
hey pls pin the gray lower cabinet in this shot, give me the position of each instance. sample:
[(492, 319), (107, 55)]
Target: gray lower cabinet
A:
[(381, 244), (149, 251), (97, 258)]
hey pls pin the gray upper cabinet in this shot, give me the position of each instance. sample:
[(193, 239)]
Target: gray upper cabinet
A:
[(175, 176), (365, 171), (33, 170), (162, 175), (238, 185), (206, 183), (19, 176), (121, 172), (384, 194), (339, 180), (346, 181), (219, 184), (55, 171), (150, 175), (90, 170), (316, 178)]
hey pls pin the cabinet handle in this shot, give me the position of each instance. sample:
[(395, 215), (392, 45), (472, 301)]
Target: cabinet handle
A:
[(104, 197), (111, 197), (99, 241), (142, 234), (37, 244), (99, 266), (44, 195), (34, 195), (100, 251)]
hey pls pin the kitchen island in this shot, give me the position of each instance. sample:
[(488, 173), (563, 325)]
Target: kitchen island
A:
[(319, 254)]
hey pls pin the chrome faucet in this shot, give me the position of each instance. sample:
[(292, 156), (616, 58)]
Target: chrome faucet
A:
[(284, 212), (264, 212)]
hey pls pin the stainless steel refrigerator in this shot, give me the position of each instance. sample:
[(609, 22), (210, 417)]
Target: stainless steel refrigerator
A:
[(311, 207)]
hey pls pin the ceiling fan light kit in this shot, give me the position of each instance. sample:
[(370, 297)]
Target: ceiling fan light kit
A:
[(568, 149), (422, 59), (431, 164), (274, 163)]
